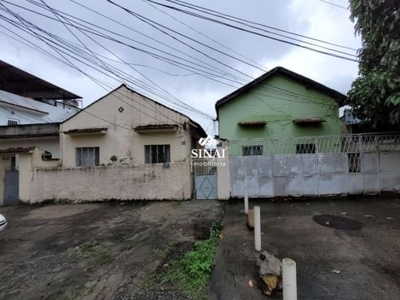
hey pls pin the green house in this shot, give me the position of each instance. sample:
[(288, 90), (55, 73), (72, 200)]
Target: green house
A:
[(279, 105)]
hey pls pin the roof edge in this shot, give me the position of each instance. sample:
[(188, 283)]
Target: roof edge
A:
[(338, 97)]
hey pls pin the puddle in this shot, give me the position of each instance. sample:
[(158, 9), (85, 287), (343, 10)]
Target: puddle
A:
[(337, 222)]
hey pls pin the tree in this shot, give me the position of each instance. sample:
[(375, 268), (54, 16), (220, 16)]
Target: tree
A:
[(375, 94)]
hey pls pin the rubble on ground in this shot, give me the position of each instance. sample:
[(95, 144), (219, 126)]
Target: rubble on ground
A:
[(270, 272), (250, 219)]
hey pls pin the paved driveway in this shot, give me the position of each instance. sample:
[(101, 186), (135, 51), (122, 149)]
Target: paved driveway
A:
[(368, 259)]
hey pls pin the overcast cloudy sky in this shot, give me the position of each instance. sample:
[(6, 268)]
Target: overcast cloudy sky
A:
[(178, 58)]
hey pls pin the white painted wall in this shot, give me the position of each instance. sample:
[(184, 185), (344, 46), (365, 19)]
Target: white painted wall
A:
[(121, 139), (26, 163), (147, 182), (314, 174), (51, 144), (223, 174)]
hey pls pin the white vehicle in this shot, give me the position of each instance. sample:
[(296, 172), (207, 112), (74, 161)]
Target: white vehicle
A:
[(3, 222)]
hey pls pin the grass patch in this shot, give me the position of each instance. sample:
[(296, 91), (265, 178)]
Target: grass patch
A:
[(191, 273), (94, 254)]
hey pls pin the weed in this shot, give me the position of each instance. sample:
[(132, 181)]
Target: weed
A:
[(94, 254), (191, 273)]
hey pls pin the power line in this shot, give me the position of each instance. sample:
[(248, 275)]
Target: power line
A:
[(254, 32), (203, 9), (60, 52), (145, 35), (334, 4), (206, 36), (292, 93), (151, 81), (268, 31), (192, 110), (296, 95), (117, 93)]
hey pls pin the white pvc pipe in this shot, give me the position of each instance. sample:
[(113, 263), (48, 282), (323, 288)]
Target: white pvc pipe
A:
[(246, 198), (289, 280), (257, 228)]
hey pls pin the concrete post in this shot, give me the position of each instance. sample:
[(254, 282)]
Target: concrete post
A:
[(289, 279), (246, 198), (257, 228)]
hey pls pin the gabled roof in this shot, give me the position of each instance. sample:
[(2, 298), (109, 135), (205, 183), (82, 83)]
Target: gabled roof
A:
[(22, 83), (309, 83), (194, 124)]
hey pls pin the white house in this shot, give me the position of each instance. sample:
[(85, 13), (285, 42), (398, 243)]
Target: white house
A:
[(123, 146)]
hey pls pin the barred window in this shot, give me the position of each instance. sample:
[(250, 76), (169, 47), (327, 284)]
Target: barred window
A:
[(87, 156), (252, 150), (12, 122), (305, 148), (157, 154)]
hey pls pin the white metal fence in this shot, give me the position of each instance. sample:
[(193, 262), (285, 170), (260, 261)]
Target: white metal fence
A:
[(355, 143), (315, 166)]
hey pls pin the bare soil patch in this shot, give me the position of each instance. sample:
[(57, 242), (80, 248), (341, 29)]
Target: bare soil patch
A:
[(97, 251)]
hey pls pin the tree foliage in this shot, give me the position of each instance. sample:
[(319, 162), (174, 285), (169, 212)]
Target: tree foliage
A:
[(375, 94)]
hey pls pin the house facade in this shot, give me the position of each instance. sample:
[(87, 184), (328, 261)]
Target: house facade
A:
[(127, 128), (31, 111), (123, 146), (278, 104)]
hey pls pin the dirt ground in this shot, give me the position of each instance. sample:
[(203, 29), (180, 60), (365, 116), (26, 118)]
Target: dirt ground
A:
[(97, 251), (113, 251), (366, 260)]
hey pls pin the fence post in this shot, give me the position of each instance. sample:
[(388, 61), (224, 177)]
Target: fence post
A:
[(289, 279), (257, 228), (246, 196)]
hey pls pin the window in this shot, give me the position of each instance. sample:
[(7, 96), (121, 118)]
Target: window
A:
[(305, 148), (13, 163), (252, 150), (354, 162), (12, 122), (87, 156), (157, 154)]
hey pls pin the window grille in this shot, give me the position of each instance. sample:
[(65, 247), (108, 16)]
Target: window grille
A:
[(157, 154), (252, 150)]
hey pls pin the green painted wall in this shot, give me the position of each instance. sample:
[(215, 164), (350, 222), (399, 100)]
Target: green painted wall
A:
[(266, 102)]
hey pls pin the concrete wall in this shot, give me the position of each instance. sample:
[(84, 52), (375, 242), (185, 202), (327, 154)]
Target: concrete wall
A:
[(51, 144), (120, 112), (147, 182), (4, 164), (29, 130), (264, 103), (223, 174), (27, 162), (314, 174)]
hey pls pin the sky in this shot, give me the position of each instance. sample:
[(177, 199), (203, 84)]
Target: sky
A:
[(185, 62)]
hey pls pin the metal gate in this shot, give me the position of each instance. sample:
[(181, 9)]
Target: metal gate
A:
[(205, 180), (11, 187)]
